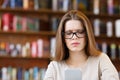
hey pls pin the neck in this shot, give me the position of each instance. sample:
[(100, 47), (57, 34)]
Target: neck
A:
[(77, 58)]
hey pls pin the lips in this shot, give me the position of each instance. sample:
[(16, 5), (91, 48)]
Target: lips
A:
[(75, 43)]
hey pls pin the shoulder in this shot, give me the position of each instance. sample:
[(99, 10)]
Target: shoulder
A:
[(100, 59), (56, 64), (102, 56), (104, 60)]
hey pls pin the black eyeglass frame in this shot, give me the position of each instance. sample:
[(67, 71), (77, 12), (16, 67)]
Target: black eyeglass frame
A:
[(74, 33)]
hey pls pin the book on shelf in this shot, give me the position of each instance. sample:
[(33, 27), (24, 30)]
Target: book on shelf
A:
[(96, 6), (13, 51), (12, 3), (30, 74), (5, 4), (0, 23), (32, 24), (31, 4), (45, 4), (40, 47), (16, 3), (54, 5), (26, 75), (18, 23), (110, 6), (52, 46), (12, 73), (24, 23), (103, 6), (106, 6), (109, 27), (116, 6), (36, 4), (42, 73), (3, 49), (61, 5), (9, 71), (19, 73), (113, 51), (19, 49), (117, 28), (104, 47), (34, 49), (82, 5), (54, 24), (37, 48), (64, 5), (4, 73), (103, 29), (25, 4), (46, 46), (96, 27), (98, 46), (24, 51), (36, 73), (119, 51), (7, 19)]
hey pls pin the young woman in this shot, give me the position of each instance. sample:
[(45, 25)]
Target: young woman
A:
[(76, 49)]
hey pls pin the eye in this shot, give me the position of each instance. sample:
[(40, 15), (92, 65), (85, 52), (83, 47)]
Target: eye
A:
[(81, 31), (68, 32)]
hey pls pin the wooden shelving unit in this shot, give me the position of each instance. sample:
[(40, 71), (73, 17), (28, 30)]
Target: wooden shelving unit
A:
[(22, 37), (24, 62), (49, 12)]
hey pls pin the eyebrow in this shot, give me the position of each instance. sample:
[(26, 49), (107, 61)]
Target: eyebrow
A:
[(76, 30)]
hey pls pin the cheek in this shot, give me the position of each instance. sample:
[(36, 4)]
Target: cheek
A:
[(84, 42), (67, 42)]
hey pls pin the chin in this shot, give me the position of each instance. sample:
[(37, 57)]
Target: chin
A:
[(76, 49)]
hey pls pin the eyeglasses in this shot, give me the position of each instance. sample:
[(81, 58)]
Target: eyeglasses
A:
[(78, 34)]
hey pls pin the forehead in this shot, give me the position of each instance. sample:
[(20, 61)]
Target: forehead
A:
[(73, 25)]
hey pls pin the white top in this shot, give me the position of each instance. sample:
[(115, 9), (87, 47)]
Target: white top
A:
[(96, 68)]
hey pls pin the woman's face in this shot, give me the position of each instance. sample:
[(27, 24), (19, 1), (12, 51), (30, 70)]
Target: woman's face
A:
[(75, 36)]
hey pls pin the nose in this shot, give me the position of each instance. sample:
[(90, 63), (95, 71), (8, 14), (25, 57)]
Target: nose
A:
[(74, 36)]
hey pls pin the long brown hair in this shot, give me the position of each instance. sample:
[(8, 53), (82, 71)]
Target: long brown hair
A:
[(62, 52)]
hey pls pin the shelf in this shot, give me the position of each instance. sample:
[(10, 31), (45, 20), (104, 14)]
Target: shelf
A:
[(102, 16), (42, 33), (108, 40), (49, 12), (31, 12), (23, 37), (50, 33), (25, 62)]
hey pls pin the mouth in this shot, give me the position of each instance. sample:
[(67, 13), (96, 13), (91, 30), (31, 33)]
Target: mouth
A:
[(75, 44)]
